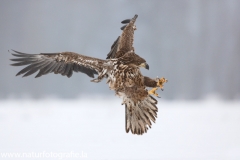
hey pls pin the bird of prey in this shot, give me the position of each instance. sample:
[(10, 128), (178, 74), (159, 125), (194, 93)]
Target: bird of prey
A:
[(121, 69)]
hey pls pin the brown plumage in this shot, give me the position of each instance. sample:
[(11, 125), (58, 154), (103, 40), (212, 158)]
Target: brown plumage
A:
[(121, 69), (124, 43), (150, 82)]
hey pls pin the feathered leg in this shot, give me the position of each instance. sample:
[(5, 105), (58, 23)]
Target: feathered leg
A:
[(158, 82)]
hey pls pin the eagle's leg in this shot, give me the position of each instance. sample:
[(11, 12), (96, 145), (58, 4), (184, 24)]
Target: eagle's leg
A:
[(158, 82)]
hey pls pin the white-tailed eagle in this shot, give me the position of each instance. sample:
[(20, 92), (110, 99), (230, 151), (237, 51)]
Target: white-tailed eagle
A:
[(121, 69)]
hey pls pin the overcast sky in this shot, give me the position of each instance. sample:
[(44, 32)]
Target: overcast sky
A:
[(195, 44)]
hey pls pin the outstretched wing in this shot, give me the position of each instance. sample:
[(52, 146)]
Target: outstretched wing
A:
[(124, 43), (63, 63)]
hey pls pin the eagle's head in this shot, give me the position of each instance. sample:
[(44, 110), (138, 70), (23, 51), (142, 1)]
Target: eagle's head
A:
[(132, 58)]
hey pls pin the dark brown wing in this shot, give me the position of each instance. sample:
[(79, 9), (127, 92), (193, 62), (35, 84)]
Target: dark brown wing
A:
[(63, 63), (124, 43), (114, 49)]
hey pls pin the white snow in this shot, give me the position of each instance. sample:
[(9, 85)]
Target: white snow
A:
[(208, 129)]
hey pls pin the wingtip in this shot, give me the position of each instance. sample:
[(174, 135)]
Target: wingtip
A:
[(17, 74), (135, 17), (10, 51), (27, 74), (37, 76), (126, 21), (13, 50), (13, 64), (122, 28)]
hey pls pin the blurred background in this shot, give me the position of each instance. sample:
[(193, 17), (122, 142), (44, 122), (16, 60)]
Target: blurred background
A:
[(195, 44)]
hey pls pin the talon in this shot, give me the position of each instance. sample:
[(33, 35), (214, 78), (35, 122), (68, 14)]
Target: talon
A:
[(160, 82), (153, 92)]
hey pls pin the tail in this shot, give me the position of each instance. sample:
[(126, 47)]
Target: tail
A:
[(138, 116)]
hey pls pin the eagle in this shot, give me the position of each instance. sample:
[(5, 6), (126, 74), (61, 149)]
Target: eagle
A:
[(121, 69)]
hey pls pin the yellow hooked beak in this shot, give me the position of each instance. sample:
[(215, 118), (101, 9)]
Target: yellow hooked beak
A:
[(144, 65)]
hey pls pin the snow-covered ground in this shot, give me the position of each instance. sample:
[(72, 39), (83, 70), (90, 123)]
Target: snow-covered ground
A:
[(208, 129)]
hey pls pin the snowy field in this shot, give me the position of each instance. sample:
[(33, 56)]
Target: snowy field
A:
[(94, 128)]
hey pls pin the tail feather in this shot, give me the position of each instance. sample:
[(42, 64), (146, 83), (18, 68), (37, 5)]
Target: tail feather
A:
[(139, 115)]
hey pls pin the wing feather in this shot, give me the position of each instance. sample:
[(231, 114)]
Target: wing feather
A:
[(50, 67), (70, 73), (126, 21), (114, 49), (62, 68), (57, 68), (46, 69), (24, 70), (60, 63), (124, 43), (36, 68), (67, 68), (21, 63), (123, 27)]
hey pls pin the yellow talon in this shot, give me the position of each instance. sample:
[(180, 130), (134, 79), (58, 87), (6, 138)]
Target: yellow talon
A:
[(161, 81), (153, 92)]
